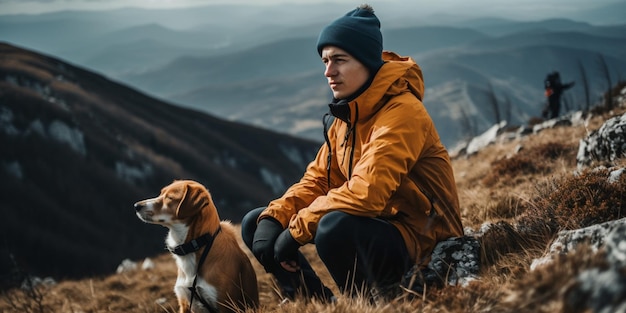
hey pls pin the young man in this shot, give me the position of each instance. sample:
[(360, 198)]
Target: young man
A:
[(380, 193)]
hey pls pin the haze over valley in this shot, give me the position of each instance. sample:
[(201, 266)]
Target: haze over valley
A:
[(257, 64)]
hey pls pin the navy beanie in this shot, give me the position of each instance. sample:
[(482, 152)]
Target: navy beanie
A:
[(358, 33)]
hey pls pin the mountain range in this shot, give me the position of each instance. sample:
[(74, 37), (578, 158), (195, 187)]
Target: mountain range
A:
[(280, 85), (266, 72), (80, 149)]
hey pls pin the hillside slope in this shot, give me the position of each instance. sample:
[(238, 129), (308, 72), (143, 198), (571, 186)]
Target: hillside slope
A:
[(79, 150), (528, 181)]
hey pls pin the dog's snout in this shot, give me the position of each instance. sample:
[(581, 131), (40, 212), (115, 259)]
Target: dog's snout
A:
[(138, 206)]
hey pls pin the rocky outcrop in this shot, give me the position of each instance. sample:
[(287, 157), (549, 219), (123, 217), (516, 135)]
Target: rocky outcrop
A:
[(596, 289), (610, 235), (608, 143)]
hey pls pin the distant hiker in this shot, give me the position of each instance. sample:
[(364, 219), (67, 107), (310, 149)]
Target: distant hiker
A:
[(553, 91), (380, 193)]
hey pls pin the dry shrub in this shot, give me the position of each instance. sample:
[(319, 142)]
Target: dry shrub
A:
[(569, 203), (530, 229), (545, 289), (476, 297), (500, 239), (530, 161), (584, 200), (537, 227), (28, 299), (554, 150), (494, 206), (506, 169), (504, 208)]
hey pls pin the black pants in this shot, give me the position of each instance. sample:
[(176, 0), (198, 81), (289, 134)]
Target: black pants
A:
[(359, 252), (554, 106)]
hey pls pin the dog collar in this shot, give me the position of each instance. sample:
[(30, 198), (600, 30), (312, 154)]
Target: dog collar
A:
[(195, 244)]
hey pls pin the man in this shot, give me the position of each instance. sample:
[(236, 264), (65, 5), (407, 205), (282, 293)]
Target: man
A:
[(380, 193), (553, 90)]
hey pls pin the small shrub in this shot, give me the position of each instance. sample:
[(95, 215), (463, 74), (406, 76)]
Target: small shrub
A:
[(584, 200), (546, 289), (506, 169), (29, 298), (535, 160), (554, 150), (505, 208), (500, 239)]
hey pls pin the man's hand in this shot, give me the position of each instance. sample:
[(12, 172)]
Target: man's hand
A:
[(263, 242), (286, 251)]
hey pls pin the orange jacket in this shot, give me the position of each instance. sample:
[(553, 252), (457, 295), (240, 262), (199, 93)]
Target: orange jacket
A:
[(401, 171)]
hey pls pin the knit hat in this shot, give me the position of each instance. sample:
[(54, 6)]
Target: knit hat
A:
[(358, 33)]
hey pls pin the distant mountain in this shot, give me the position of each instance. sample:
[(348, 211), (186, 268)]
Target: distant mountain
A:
[(80, 149), (502, 27), (82, 36), (279, 59), (276, 59), (424, 39), (154, 31), (293, 105), (137, 56), (266, 71), (604, 15), (459, 66), (570, 39), (142, 47), (515, 77)]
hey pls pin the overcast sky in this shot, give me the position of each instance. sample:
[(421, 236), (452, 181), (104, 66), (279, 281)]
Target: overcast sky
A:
[(505, 8)]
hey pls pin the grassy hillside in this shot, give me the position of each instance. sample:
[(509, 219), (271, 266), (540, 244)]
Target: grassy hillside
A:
[(534, 187)]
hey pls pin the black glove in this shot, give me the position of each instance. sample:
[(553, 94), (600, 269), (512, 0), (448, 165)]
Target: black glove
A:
[(286, 248), (263, 241)]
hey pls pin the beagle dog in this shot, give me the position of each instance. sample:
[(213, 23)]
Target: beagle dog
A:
[(214, 274)]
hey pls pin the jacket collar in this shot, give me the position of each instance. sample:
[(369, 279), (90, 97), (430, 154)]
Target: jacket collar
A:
[(398, 75)]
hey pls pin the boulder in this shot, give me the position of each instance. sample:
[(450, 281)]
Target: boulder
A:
[(608, 143), (610, 235), (601, 289), (455, 261)]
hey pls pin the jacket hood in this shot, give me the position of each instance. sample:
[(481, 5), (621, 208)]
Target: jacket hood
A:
[(399, 74)]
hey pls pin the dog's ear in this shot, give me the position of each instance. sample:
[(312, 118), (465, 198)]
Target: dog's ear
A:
[(193, 200)]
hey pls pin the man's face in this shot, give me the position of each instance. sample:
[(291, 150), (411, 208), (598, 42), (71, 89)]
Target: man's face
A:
[(345, 73)]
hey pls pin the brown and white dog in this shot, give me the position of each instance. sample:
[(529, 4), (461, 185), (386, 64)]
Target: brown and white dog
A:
[(206, 250)]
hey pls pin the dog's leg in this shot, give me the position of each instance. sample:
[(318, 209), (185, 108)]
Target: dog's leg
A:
[(182, 292), (207, 292), (183, 306)]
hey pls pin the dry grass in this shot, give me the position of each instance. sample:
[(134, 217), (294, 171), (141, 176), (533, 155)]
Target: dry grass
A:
[(136, 291), (528, 196)]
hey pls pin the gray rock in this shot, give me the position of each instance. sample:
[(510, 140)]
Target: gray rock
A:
[(608, 143), (455, 261), (611, 234), (597, 289), (601, 290), (616, 246)]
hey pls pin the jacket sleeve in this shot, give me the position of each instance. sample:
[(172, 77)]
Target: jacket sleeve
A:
[(313, 184), (392, 148)]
